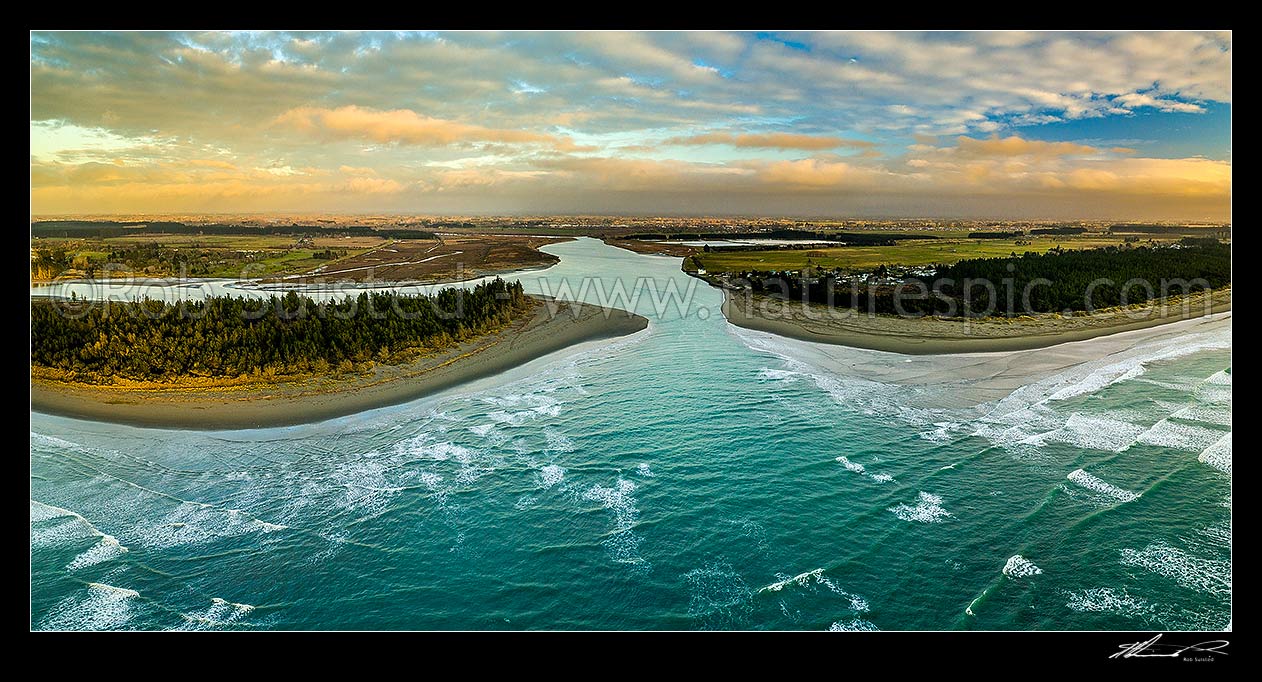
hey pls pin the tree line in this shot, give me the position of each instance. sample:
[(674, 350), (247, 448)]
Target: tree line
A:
[(996, 235), (228, 336), (111, 228), (1055, 281), (850, 238)]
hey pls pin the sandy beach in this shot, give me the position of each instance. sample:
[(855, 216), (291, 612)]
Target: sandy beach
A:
[(552, 327), (962, 380), (933, 336)]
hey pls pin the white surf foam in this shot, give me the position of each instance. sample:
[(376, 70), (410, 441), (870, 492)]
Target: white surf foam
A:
[(644, 470), (105, 549), (234, 609), (1101, 378), (533, 406), (622, 544), (1194, 572), (617, 498), (718, 596), (1218, 455), (98, 607), (1014, 428), (850, 392), (1108, 600), (1096, 485), (73, 527), (852, 466), (54, 441), (220, 614), (62, 531), (858, 604), (1218, 534), (1097, 433), (802, 579), (1023, 419), (509, 418), (191, 523), (941, 432), (44, 512), (781, 375), (1134, 360), (928, 509), (1168, 434), (551, 475), (623, 547), (558, 442), (1020, 567), (368, 483), (423, 446), (1160, 616), (1208, 414), (855, 625), (1216, 394), (1220, 378), (862, 471)]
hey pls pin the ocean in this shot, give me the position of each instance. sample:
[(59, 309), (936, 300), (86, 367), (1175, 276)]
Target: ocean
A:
[(690, 476)]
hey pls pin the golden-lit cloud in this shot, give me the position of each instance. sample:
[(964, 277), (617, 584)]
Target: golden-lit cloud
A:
[(1068, 181), (811, 173), (362, 171), (860, 123), (401, 126), (770, 141), (1016, 146)]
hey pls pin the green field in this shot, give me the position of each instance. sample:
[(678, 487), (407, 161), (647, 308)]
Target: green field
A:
[(223, 241), (212, 256), (915, 252), (282, 263)]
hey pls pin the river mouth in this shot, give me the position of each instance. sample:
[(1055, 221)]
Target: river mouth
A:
[(694, 476)]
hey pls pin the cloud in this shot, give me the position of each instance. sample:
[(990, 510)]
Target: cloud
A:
[(809, 173), (639, 51), (362, 185), (1022, 184), (1016, 146), (847, 84), (1135, 100), (401, 126), (769, 141), (361, 171), (679, 120)]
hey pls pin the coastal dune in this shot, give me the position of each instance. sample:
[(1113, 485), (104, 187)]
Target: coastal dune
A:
[(932, 336), (553, 326)]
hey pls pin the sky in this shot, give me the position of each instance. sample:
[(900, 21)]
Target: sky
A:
[(1092, 126)]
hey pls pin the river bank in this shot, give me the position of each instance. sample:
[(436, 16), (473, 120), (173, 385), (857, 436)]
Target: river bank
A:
[(552, 327), (936, 336)]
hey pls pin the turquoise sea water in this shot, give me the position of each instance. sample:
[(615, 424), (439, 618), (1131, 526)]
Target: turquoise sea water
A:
[(691, 476)]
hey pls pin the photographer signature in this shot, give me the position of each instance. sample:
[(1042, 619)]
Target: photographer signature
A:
[(1151, 649)]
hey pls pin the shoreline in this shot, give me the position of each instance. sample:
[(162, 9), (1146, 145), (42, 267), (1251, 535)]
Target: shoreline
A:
[(351, 284), (932, 336), (553, 326), (309, 277)]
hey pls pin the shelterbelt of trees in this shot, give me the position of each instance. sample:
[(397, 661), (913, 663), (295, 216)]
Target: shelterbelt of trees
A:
[(1055, 281), (111, 228), (232, 337)]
